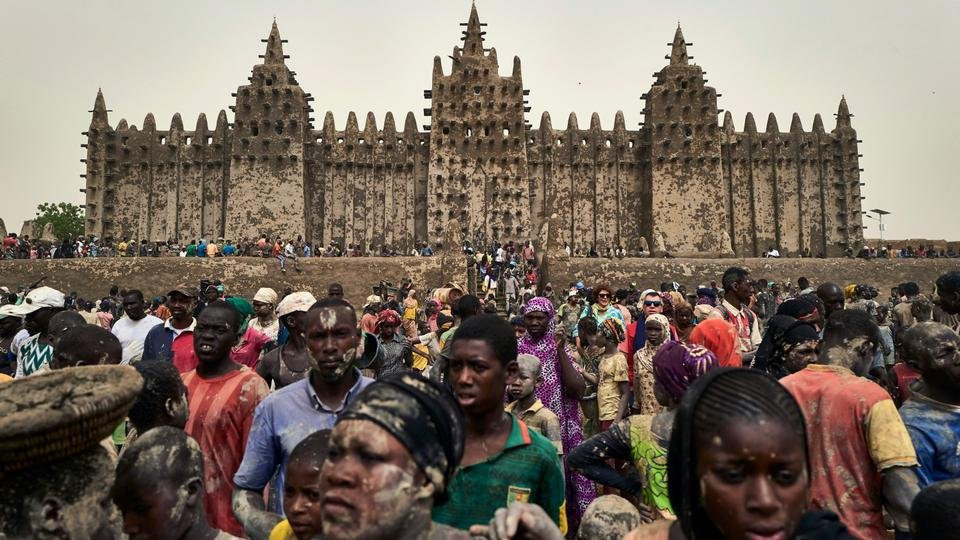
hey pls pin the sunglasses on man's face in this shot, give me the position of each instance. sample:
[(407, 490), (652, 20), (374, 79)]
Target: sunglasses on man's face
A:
[(603, 295), (653, 303)]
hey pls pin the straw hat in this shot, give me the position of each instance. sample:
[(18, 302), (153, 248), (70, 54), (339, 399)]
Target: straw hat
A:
[(60, 413)]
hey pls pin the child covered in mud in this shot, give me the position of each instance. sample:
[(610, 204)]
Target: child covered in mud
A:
[(159, 488), (526, 407), (302, 495)]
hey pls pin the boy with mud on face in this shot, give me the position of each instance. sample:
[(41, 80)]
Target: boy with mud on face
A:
[(159, 488), (302, 494), (392, 455), (503, 460)]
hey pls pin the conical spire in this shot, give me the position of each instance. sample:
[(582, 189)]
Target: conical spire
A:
[(796, 126), (678, 50), (99, 111), (473, 35), (843, 113), (274, 53)]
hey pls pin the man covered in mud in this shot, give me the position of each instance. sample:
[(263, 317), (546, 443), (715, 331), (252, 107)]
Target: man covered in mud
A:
[(932, 414), (159, 488), (288, 415), (392, 456), (289, 362), (56, 477), (222, 396), (854, 431)]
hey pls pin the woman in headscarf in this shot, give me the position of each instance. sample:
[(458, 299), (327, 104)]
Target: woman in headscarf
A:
[(247, 350), (413, 428), (720, 337), (726, 418), (788, 346), (643, 439), (683, 321), (657, 330), (560, 388)]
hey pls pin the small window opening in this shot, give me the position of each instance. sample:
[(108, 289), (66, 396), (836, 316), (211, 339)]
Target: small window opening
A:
[(163, 140), (683, 84), (446, 130), (687, 132), (255, 130), (469, 132), (608, 143), (506, 132), (187, 140)]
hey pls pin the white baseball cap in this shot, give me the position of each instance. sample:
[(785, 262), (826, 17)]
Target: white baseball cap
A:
[(297, 301), (9, 310), (39, 298)]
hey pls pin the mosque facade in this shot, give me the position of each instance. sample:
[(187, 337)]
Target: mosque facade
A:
[(685, 182)]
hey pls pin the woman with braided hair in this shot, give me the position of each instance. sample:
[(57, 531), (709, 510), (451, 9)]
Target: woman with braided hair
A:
[(738, 464)]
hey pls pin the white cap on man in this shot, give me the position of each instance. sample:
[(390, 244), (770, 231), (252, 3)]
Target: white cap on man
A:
[(39, 298)]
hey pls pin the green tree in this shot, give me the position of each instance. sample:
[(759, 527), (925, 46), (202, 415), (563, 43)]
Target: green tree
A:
[(67, 219)]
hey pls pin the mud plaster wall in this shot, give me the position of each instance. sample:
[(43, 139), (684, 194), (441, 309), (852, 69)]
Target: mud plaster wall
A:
[(92, 278)]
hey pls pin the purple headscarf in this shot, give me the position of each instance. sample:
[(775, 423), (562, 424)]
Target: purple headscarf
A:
[(579, 490), (544, 347), (676, 365)]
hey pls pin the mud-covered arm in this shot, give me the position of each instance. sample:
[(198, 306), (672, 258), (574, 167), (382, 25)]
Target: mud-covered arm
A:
[(900, 487), (250, 511), (591, 458)]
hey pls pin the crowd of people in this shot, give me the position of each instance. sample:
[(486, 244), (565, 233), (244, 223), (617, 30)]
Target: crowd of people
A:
[(23, 247), (741, 409)]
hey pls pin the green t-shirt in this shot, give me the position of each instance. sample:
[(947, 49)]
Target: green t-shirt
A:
[(192, 250), (527, 470)]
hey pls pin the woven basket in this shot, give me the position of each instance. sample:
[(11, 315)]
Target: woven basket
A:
[(56, 414)]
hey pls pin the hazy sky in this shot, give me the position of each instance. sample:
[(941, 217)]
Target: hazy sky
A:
[(895, 61)]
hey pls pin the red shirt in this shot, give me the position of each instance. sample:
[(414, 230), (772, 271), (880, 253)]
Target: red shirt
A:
[(221, 411), (247, 352), (854, 432), (184, 357)]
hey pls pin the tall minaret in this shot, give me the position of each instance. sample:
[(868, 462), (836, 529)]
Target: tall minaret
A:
[(272, 119), (681, 122), (478, 164)]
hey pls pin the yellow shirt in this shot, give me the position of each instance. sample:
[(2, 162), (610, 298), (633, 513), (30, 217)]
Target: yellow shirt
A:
[(410, 309), (613, 371), (282, 531)]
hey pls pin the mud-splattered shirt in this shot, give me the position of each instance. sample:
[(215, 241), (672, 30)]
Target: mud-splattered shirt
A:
[(934, 428), (221, 413), (854, 434), (540, 419), (281, 421), (527, 470)]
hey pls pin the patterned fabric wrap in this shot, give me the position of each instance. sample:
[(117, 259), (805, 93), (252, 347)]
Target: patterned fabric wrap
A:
[(580, 490)]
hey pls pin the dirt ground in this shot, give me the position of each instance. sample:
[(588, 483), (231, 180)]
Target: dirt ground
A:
[(92, 278)]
